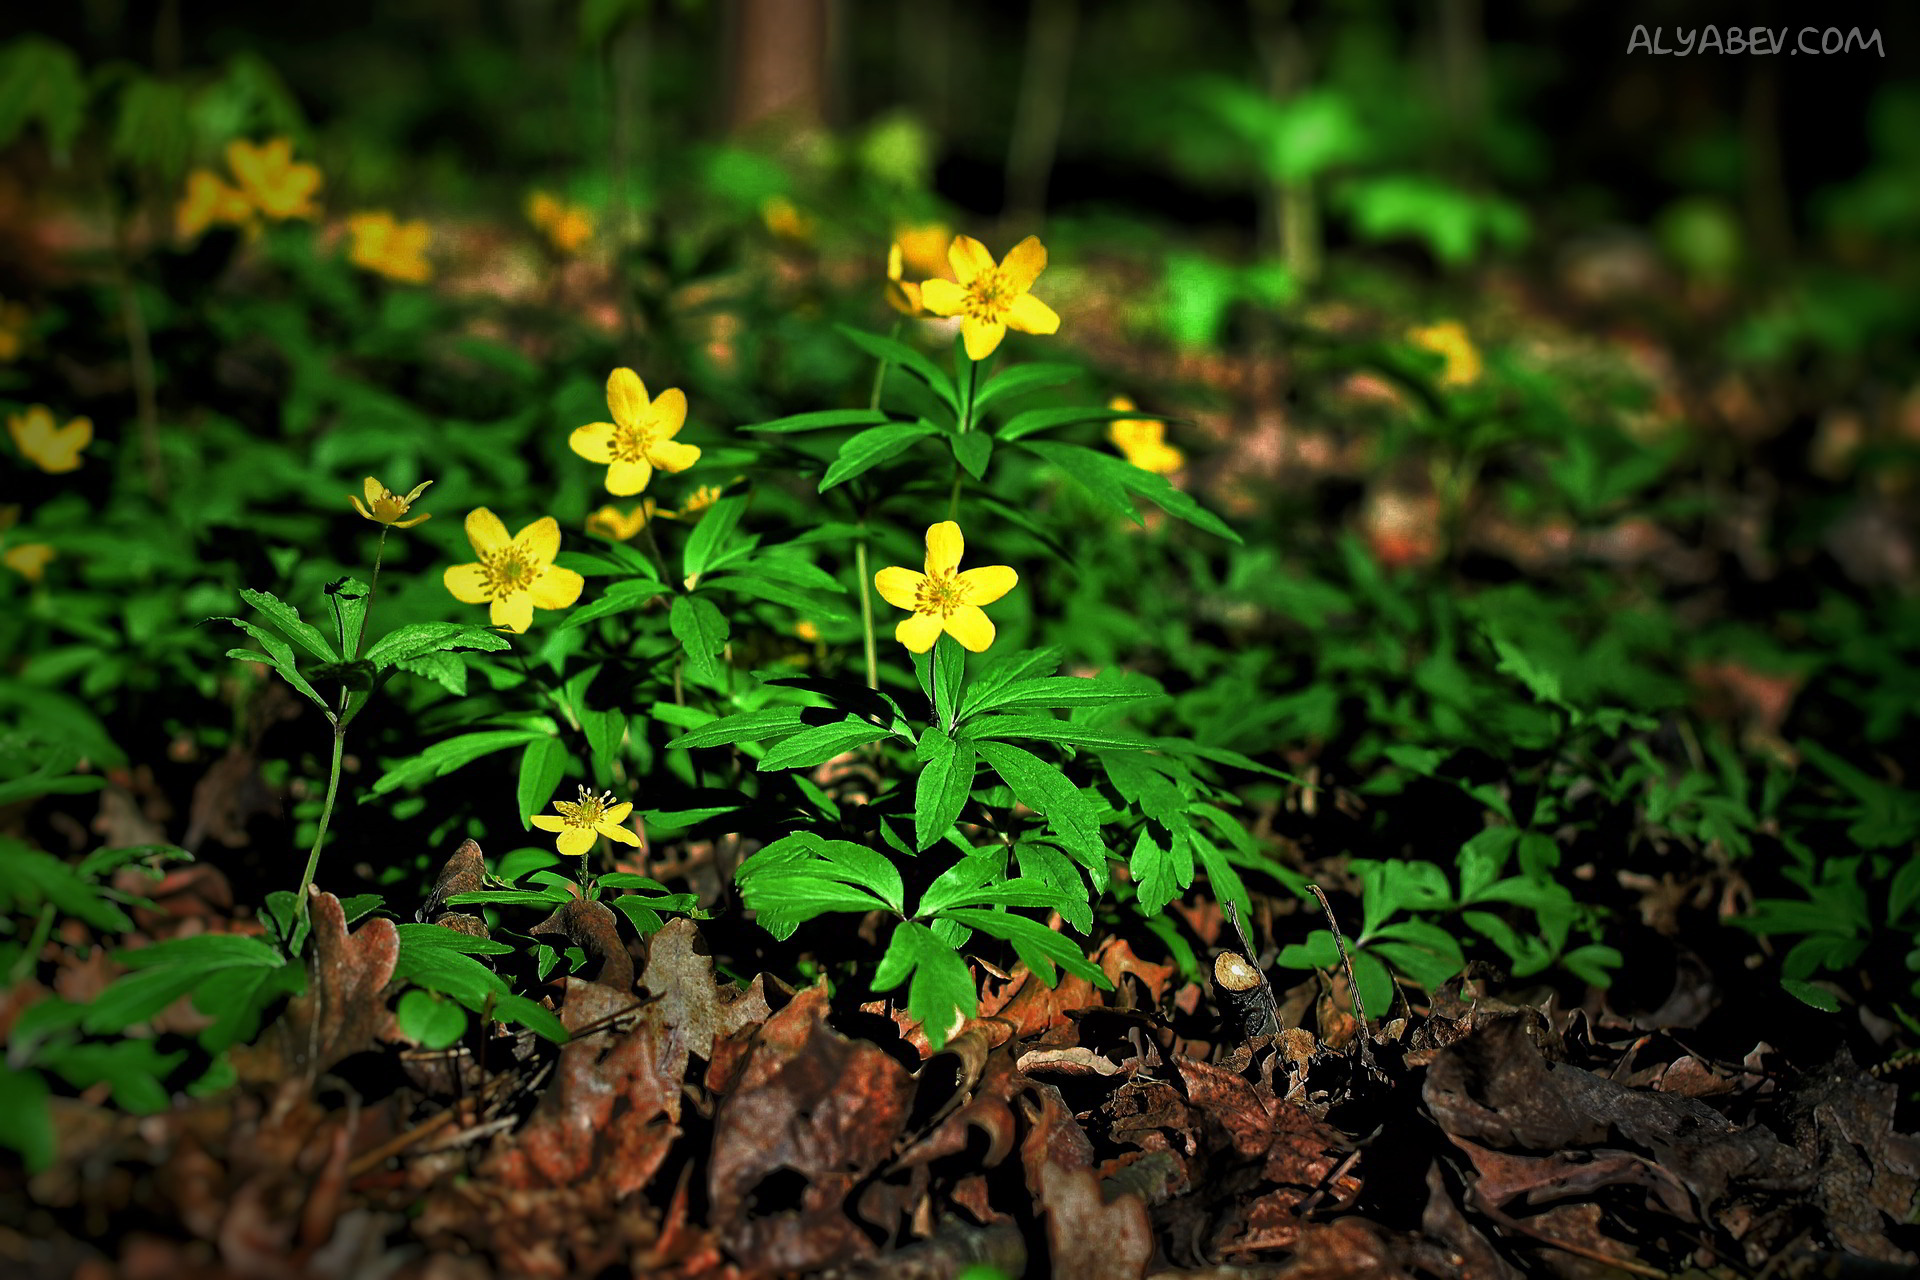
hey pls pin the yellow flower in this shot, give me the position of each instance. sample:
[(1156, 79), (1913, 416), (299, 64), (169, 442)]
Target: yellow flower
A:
[(271, 181), (696, 506), (902, 295), (50, 448), (208, 201), (567, 227), (943, 598), (610, 522), (513, 575), (1449, 339), (807, 630), (397, 250), (1144, 441), (28, 559), (924, 248), (992, 299), (14, 319), (383, 506), (583, 819), (640, 437), (786, 221)]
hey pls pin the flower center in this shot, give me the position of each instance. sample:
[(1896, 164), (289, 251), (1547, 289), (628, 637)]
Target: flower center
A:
[(990, 297), (587, 811), (941, 595), (630, 444), (509, 570)]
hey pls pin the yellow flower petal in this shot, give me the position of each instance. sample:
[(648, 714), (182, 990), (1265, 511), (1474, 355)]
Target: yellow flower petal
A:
[(614, 831), (624, 479), (374, 490), (594, 442), (541, 539), (972, 628), (969, 258), (468, 583), (626, 397), (575, 841), (669, 411), (672, 456), (943, 297), (557, 588), (1030, 315), (899, 587), (1024, 263), (513, 611), (357, 507), (982, 337), (549, 822), (486, 533), (918, 631), (618, 813), (945, 546), (988, 583)]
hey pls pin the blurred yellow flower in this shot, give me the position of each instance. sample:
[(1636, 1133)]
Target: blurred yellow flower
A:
[(585, 818), (902, 295), (383, 506), (943, 598), (50, 448), (567, 227), (924, 248), (516, 575), (1449, 339), (640, 437), (785, 220), (991, 298), (806, 630), (1143, 441), (696, 505), (14, 319), (610, 522), (271, 181), (208, 201), (397, 250), (28, 559)]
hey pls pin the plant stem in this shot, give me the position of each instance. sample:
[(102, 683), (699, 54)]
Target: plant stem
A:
[(326, 816), (866, 608), (140, 361), (366, 616), (880, 374)]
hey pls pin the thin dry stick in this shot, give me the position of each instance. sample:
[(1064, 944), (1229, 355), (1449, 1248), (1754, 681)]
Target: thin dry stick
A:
[(1359, 1005), (1268, 1008)]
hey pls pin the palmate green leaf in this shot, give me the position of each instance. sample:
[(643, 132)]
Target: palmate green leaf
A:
[(29, 877), (820, 743), (821, 420), (898, 353), (1019, 379), (1008, 667), (1043, 862), (444, 669), (872, 447), (803, 875), (444, 757), (1110, 480), (1040, 947), (417, 639), (287, 618), (279, 656), (165, 971), (1044, 789), (941, 991), (1159, 875), (702, 631), (542, 765), (1049, 729), (946, 779)]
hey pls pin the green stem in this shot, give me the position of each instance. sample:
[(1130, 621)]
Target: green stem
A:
[(866, 608), (880, 374), (379, 554), (42, 930), (326, 816)]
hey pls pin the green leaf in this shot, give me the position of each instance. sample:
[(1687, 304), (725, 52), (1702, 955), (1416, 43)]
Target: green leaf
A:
[(709, 537), (942, 989), (1026, 424), (747, 726), (1220, 873), (1040, 947), (949, 670), (803, 875), (1044, 789), (430, 1021), (973, 451), (702, 631), (444, 757), (1158, 874), (349, 599), (898, 353), (165, 971), (1047, 864), (621, 597), (605, 731), (287, 618), (1056, 691), (946, 779), (279, 656), (417, 639), (1110, 479), (819, 744), (542, 765), (29, 877), (26, 1118), (41, 80), (872, 447), (820, 420), (1020, 378), (1810, 993), (444, 669), (1050, 729)]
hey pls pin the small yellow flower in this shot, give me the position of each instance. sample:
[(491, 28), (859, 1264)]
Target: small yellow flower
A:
[(610, 522), (991, 298), (1144, 441), (640, 437), (696, 505), (567, 227), (14, 319), (924, 248), (807, 630), (209, 201), (582, 819), (50, 448), (902, 295), (1449, 339), (513, 575), (786, 221), (383, 506), (943, 598), (271, 181), (397, 250), (28, 559)]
